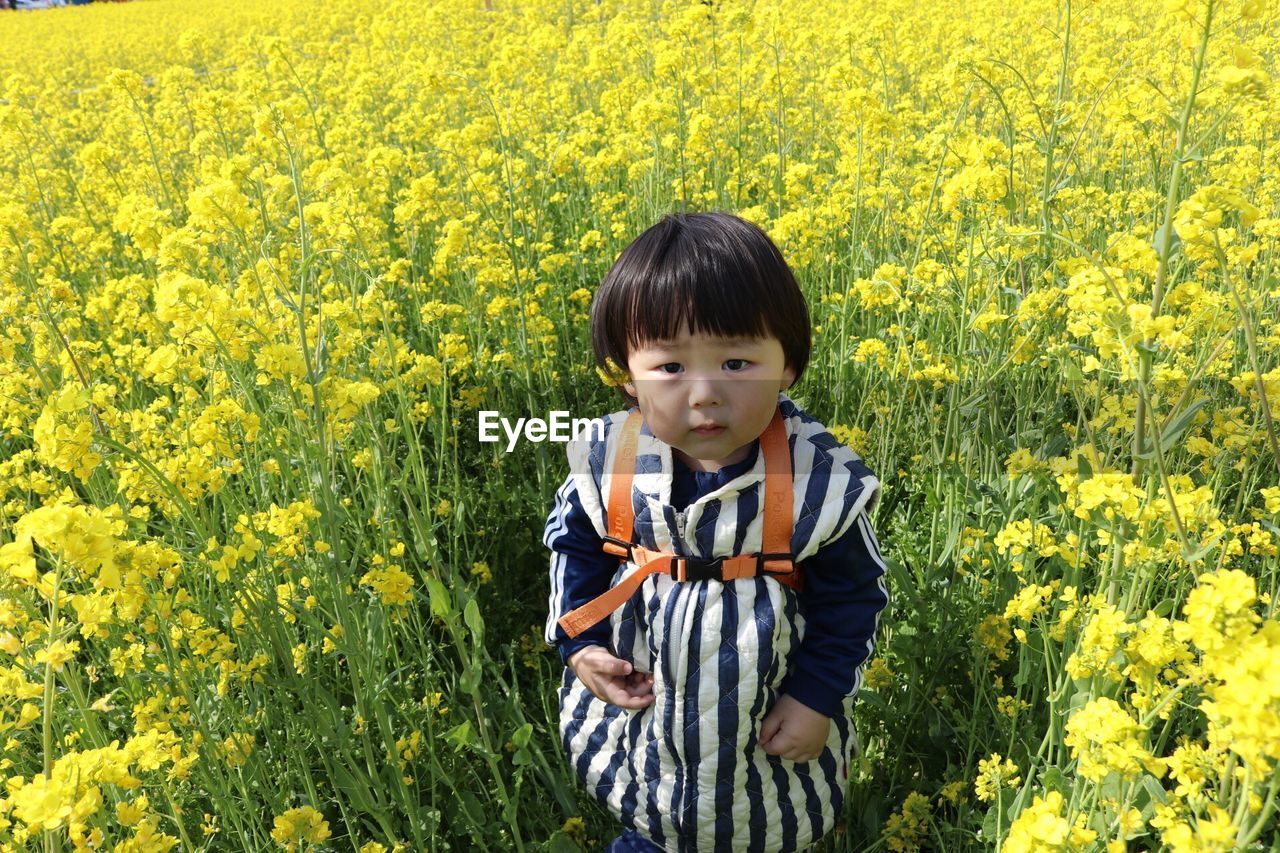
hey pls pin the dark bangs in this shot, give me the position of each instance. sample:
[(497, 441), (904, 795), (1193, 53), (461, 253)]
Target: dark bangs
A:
[(716, 272)]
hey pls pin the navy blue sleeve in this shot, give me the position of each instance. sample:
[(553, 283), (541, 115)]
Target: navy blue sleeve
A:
[(844, 593), (580, 571)]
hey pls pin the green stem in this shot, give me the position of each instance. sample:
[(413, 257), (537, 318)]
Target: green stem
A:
[(1052, 139), (1164, 238), (1247, 839), (1253, 355), (46, 740)]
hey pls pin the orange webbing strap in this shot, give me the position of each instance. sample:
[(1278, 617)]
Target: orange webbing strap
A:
[(576, 621), (777, 498), (621, 516), (776, 536)]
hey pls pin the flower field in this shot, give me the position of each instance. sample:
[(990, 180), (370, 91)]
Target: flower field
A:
[(261, 266)]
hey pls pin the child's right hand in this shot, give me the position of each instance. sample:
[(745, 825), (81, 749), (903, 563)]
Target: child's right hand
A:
[(612, 679)]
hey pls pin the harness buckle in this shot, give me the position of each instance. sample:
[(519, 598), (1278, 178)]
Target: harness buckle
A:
[(621, 548), (761, 559), (697, 569)]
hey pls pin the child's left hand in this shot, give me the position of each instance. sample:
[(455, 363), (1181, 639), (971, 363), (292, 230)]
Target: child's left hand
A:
[(794, 731)]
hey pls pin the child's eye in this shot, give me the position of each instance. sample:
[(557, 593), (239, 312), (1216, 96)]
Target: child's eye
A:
[(674, 364), (741, 361)]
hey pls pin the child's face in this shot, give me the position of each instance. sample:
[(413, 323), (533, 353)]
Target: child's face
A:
[(695, 380)]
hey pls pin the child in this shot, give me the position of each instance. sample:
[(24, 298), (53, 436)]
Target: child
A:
[(707, 703)]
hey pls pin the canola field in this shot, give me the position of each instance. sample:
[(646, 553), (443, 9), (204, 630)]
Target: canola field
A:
[(261, 265)]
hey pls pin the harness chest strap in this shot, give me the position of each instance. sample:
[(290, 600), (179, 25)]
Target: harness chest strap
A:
[(776, 560)]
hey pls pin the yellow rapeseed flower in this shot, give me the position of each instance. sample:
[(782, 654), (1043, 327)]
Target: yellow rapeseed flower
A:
[(299, 824)]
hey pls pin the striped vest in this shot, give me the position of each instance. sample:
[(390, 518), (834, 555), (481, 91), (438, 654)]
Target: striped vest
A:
[(687, 771)]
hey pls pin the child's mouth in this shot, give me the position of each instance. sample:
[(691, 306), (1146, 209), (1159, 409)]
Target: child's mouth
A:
[(715, 430)]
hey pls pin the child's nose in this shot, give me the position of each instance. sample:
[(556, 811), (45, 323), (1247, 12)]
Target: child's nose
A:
[(704, 392)]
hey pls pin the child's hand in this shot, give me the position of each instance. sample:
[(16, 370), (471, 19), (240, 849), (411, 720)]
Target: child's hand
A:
[(612, 679), (794, 731)]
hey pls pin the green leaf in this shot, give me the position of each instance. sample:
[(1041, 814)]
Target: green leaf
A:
[(522, 758), (424, 539), (1153, 791), (904, 584), (1165, 234), (471, 614), (1152, 349), (1194, 556), (469, 681), (346, 783), (873, 699), (473, 807), (996, 823), (460, 735), (978, 488), (1176, 427), (1080, 695), (1054, 780), (441, 602), (1170, 434), (1054, 446), (1024, 670), (971, 404), (521, 736)]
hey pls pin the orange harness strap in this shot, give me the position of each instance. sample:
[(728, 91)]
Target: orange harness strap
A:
[(776, 560)]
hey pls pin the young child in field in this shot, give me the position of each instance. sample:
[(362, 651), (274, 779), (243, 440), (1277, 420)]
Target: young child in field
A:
[(707, 702)]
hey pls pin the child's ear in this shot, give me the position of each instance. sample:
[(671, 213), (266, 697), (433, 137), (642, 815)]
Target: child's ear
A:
[(788, 377)]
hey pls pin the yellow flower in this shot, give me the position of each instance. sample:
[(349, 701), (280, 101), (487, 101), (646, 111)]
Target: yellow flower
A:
[(1110, 492), (877, 675), (905, 830), (1101, 644), (236, 748), (884, 289), (576, 829), (1029, 602), (872, 350), (1218, 611), (57, 653), (1216, 834), (64, 432), (1249, 82), (300, 824), (1104, 738), (993, 636), (393, 584), (953, 792), (1023, 534), (1271, 496), (129, 813), (43, 803), (1019, 462), (854, 438), (611, 374), (1041, 827), (994, 774)]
